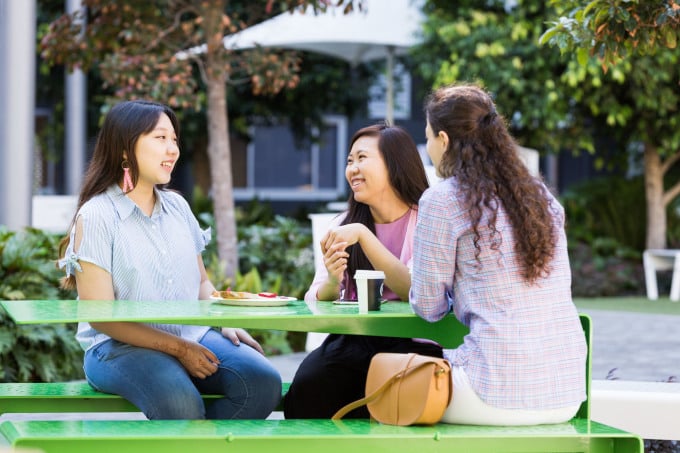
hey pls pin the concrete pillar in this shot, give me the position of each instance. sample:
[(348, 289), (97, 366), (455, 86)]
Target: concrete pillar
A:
[(551, 173), (76, 122), (17, 111)]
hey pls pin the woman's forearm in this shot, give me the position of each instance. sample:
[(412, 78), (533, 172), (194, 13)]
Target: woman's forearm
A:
[(397, 275), (141, 335), (329, 290)]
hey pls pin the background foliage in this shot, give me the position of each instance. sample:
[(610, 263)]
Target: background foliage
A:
[(606, 235), (623, 69), (40, 352), (496, 45), (275, 255), (564, 101)]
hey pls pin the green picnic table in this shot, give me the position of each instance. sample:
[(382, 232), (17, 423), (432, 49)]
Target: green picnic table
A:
[(580, 434)]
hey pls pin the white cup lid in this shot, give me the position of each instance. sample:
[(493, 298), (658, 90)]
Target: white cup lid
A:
[(364, 273)]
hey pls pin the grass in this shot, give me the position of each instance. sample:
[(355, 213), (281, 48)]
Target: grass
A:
[(663, 305)]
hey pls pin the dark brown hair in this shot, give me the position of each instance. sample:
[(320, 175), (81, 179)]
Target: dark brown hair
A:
[(406, 175), (122, 127), (483, 157)]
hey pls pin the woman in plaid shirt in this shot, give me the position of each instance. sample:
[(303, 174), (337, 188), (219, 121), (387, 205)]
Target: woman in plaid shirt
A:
[(490, 247)]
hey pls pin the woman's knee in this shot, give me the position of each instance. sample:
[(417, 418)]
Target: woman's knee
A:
[(264, 384), (269, 378)]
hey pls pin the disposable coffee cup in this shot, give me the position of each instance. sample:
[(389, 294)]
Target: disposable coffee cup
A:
[(369, 289)]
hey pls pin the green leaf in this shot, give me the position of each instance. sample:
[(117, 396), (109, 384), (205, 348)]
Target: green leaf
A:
[(661, 19), (582, 56), (547, 36), (671, 38), (589, 6), (7, 340)]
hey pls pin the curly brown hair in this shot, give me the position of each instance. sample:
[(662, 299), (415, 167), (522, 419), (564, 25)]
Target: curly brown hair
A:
[(483, 157)]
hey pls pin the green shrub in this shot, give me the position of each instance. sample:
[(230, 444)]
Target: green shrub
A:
[(607, 207), (34, 353), (279, 250), (600, 271), (673, 224), (282, 254), (606, 233), (275, 254), (282, 249)]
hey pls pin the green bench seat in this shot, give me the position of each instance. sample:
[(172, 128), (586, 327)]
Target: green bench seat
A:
[(580, 434), (75, 396), (310, 436)]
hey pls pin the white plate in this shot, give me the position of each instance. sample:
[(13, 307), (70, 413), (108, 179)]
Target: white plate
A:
[(277, 301), (346, 302)]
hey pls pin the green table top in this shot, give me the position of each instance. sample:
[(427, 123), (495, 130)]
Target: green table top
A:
[(394, 319)]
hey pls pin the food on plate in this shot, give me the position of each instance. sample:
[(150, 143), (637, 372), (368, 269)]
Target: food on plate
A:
[(229, 294)]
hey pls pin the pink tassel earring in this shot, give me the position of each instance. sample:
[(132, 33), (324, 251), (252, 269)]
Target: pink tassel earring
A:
[(127, 179)]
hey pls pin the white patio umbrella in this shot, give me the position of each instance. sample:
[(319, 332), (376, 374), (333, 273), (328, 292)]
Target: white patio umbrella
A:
[(384, 29)]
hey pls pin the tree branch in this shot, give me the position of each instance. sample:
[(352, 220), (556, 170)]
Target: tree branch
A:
[(176, 24), (201, 67), (671, 193), (669, 162)]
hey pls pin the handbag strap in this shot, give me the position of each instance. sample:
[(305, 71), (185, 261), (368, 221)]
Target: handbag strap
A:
[(376, 393)]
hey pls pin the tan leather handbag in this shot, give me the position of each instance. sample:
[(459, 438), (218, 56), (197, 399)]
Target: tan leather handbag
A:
[(405, 389)]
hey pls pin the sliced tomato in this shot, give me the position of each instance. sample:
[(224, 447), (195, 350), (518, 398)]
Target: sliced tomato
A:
[(271, 295)]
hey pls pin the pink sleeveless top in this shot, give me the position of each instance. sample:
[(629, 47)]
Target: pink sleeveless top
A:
[(392, 236), (397, 236)]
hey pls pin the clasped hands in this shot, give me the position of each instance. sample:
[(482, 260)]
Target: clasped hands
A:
[(334, 245)]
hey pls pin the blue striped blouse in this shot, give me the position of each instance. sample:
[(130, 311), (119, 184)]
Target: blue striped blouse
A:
[(149, 258)]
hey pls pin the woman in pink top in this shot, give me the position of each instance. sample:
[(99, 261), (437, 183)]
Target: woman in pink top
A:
[(387, 178)]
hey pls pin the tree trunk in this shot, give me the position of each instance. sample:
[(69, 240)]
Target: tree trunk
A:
[(654, 193), (219, 150), (201, 164)]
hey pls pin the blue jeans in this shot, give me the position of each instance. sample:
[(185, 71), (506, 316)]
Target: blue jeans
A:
[(161, 388)]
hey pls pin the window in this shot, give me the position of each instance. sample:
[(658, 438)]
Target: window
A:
[(275, 169)]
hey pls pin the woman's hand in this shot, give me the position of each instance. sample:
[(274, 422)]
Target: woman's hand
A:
[(397, 276), (348, 234), (237, 336), (334, 245), (198, 360), (335, 260)]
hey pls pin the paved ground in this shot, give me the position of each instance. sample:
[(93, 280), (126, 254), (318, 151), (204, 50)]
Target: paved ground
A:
[(626, 345), (629, 346), (635, 346)]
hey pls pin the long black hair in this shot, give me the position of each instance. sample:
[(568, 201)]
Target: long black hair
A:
[(122, 127), (406, 175)]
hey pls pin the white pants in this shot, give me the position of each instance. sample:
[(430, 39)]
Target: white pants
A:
[(466, 408)]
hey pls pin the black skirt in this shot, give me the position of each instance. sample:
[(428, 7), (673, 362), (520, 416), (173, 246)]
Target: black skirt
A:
[(334, 374)]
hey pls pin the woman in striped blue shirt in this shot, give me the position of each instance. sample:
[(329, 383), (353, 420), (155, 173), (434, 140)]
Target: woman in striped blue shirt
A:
[(490, 247), (133, 240)]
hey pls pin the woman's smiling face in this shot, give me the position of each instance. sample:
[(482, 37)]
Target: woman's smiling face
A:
[(366, 172), (157, 153)]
